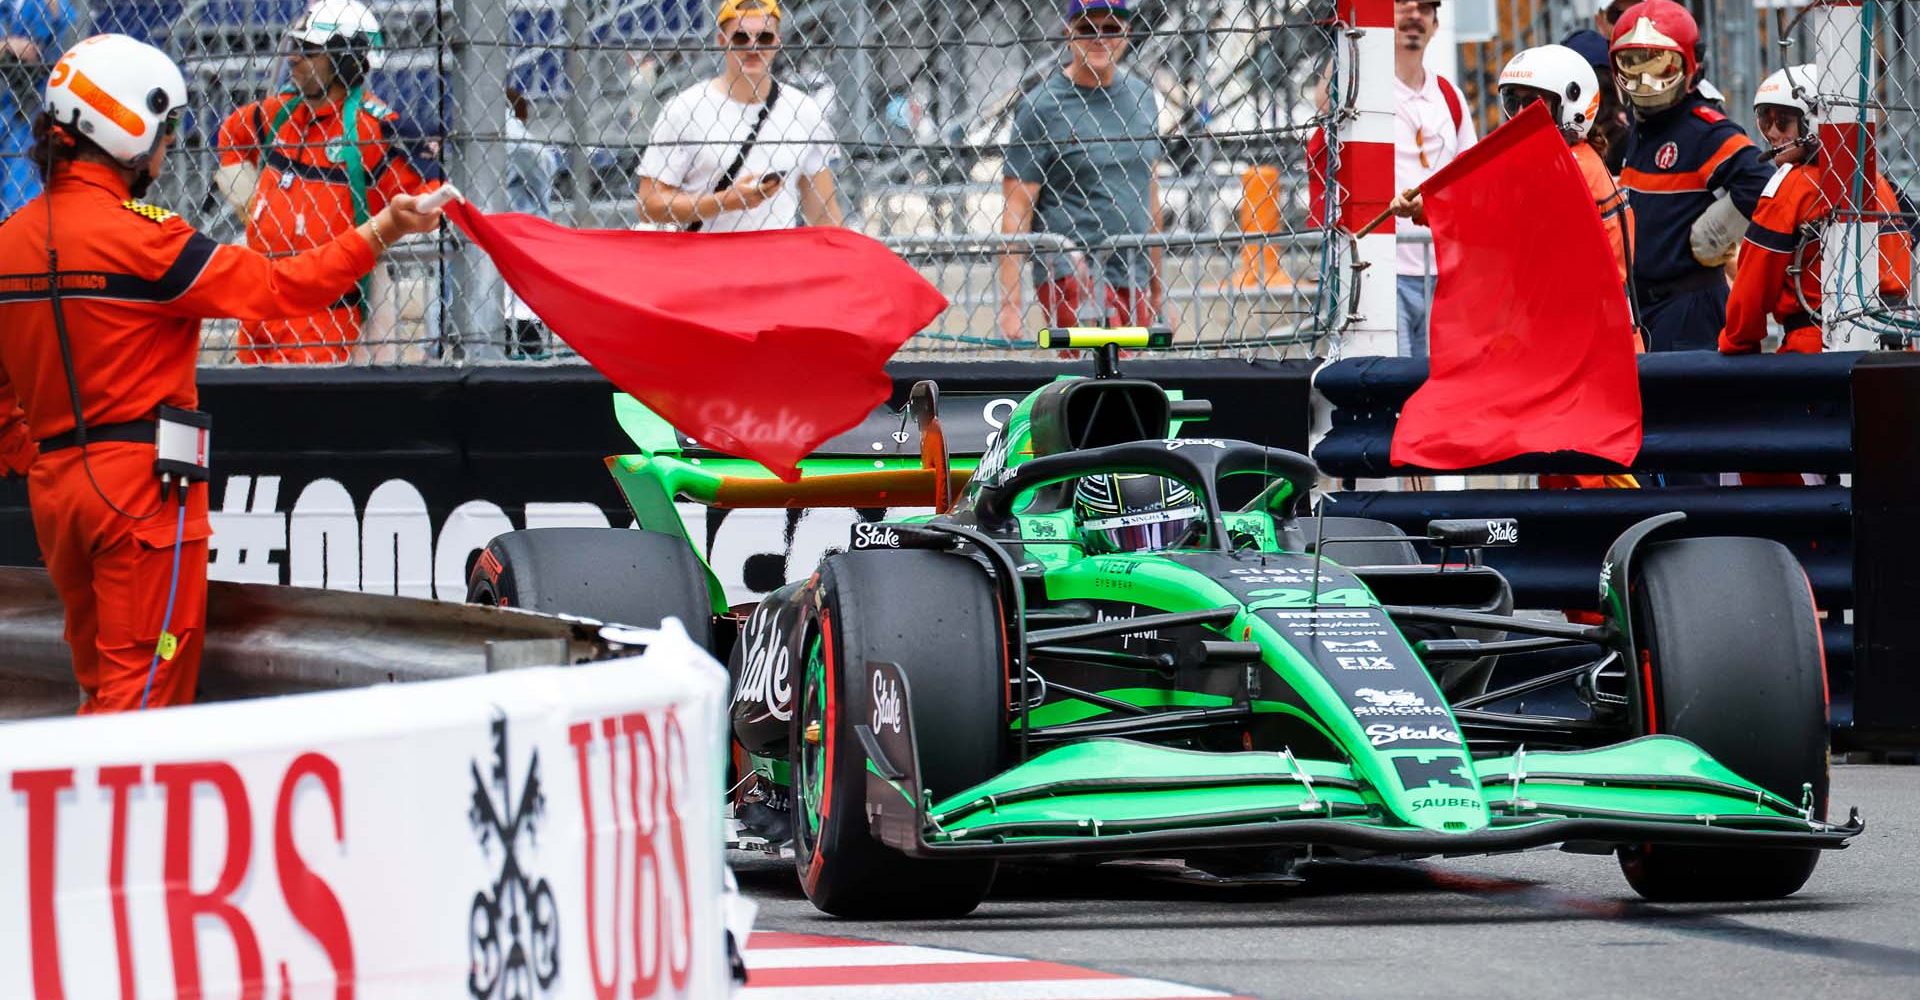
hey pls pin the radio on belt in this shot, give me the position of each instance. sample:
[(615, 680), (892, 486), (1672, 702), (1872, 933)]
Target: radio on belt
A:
[(180, 442)]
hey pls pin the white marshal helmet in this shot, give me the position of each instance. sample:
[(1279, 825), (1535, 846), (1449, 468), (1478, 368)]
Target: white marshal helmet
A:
[(347, 27), (120, 93), (1562, 73), (1792, 87)]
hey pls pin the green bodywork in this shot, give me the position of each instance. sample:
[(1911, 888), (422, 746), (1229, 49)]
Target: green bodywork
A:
[(1075, 793), (1108, 786)]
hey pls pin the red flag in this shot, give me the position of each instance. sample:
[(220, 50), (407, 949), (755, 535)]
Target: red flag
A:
[(762, 345), (1531, 338)]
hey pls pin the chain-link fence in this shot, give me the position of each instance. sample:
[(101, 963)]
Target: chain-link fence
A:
[(1745, 41), (558, 106), (1878, 174)]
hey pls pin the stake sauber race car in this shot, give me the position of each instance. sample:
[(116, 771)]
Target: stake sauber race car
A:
[(1082, 654)]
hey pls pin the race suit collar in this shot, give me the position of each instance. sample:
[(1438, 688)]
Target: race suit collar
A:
[(86, 173)]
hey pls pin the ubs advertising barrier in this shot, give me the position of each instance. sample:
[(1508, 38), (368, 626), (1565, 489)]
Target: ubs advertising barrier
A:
[(544, 833), (390, 481)]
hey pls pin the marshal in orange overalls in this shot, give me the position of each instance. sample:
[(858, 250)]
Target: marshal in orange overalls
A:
[(135, 283), (1778, 231), (305, 198)]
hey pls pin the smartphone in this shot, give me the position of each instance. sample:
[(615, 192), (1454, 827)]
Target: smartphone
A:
[(773, 177)]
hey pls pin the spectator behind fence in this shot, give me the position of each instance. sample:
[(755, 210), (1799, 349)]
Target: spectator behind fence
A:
[(531, 166), (742, 151), (1787, 224), (1080, 163), (287, 167), (1682, 153), (1431, 127), (32, 30)]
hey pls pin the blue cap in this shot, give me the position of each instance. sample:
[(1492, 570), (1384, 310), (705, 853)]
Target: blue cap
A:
[(1592, 47), (1076, 8)]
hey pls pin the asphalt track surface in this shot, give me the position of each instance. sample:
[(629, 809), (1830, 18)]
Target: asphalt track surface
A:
[(1535, 925)]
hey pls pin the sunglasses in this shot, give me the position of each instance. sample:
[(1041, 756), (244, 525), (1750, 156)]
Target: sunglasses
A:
[(1101, 29), (1777, 118), (1514, 100), (758, 40)]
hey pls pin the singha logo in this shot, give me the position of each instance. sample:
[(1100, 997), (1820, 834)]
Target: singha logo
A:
[(513, 933)]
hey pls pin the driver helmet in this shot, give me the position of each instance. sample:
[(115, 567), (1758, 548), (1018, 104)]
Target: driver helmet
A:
[(1656, 54), (1132, 512), (1561, 77)]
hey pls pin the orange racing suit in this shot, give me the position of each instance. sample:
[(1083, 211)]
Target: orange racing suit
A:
[(1778, 231), (135, 281), (306, 197)]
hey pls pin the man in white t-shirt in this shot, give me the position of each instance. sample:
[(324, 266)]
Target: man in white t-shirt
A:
[(1431, 128), (692, 174)]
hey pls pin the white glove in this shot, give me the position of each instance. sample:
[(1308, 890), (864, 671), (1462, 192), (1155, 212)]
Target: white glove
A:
[(1716, 233), (237, 182)]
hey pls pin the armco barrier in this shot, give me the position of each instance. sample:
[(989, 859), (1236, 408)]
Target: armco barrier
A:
[(549, 833), (1835, 413)]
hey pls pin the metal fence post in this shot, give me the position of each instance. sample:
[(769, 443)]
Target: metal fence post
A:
[(580, 212), (1850, 254), (480, 63), (1366, 173)]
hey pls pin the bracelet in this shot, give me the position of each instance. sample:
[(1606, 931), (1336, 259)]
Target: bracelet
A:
[(380, 242)]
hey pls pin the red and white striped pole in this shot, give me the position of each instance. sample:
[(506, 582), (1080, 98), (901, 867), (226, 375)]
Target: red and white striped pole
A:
[(1365, 173), (1850, 249)]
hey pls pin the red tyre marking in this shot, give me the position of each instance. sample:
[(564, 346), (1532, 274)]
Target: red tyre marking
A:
[(1646, 671)]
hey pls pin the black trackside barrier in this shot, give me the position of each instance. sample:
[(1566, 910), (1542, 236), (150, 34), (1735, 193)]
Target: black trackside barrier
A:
[(1703, 413), (471, 448), (1832, 413)]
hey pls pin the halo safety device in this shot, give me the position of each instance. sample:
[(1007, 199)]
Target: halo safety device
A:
[(1560, 75), (1655, 54), (1130, 512), (122, 94)]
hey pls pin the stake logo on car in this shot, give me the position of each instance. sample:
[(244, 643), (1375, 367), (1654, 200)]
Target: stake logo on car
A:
[(886, 703), (764, 669), (867, 535), (1382, 733)]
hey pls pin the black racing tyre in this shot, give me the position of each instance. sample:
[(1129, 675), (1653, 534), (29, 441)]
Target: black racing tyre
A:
[(1392, 549), (615, 575), (938, 617), (1729, 640)]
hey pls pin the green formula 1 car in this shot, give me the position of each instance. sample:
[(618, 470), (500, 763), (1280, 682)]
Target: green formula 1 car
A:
[(1082, 653)]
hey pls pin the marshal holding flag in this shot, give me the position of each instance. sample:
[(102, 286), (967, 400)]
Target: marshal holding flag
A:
[(1532, 340), (759, 344)]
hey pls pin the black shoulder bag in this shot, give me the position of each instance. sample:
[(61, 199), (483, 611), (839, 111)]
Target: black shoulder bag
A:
[(740, 160)]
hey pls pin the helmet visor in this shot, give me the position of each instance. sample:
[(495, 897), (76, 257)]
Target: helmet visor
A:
[(1515, 99), (1779, 118), (1148, 531), (1645, 73)]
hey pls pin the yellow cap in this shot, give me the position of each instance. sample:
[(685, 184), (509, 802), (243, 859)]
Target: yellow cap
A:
[(730, 9)]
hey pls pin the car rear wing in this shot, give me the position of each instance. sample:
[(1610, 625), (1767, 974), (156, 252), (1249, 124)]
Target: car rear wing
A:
[(918, 455)]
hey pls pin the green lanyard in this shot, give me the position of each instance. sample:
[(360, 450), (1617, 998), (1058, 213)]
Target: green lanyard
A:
[(350, 139), (349, 155)]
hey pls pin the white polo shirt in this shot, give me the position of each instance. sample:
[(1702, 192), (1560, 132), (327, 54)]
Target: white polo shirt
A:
[(1424, 140)]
